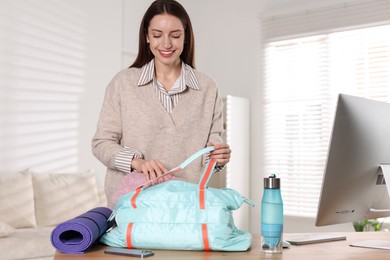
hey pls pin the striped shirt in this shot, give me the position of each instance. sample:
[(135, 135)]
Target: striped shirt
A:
[(169, 99)]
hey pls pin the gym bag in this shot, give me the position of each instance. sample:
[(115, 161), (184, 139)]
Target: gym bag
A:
[(178, 215)]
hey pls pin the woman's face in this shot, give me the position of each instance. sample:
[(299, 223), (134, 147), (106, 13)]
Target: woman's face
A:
[(166, 39)]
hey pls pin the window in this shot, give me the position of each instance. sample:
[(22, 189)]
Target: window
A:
[(303, 76), (295, 113)]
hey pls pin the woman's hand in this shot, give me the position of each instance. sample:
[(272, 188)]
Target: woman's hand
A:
[(221, 153), (152, 169)]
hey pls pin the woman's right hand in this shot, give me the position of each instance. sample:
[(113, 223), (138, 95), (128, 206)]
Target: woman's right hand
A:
[(152, 169)]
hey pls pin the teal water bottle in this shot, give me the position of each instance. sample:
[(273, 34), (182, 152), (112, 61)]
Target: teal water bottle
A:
[(272, 216)]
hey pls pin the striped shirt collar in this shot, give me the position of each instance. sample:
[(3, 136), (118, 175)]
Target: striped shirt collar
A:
[(187, 73)]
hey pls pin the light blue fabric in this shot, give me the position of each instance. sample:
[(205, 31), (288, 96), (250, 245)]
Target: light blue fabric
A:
[(168, 216)]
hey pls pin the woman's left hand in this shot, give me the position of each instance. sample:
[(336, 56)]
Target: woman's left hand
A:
[(221, 153)]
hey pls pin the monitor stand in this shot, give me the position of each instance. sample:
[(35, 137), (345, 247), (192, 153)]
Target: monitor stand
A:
[(386, 173), (378, 244)]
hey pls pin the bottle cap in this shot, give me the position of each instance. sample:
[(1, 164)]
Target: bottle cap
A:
[(272, 182)]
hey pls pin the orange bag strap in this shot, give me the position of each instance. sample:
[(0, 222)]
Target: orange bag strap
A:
[(128, 235), (208, 171)]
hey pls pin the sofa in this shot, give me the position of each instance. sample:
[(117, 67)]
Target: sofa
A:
[(32, 204)]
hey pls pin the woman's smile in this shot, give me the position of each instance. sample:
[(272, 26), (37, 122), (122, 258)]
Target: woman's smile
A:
[(166, 54)]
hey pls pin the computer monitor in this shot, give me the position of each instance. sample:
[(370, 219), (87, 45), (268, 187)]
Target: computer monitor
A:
[(353, 186)]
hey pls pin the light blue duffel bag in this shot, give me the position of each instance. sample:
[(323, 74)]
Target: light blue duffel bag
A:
[(178, 215)]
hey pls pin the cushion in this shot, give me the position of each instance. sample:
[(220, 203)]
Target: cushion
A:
[(62, 196), (5, 229), (17, 200)]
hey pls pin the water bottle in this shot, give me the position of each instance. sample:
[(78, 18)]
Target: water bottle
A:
[(272, 216)]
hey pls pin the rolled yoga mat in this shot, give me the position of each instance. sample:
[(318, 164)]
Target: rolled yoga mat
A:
[(77, 235)]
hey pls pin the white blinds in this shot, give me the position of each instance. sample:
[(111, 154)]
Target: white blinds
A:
[(349, 13), (303, 76), (42, 67), (297, 119)]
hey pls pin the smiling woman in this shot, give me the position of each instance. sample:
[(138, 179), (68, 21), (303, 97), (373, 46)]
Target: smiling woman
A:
[(160, 110)]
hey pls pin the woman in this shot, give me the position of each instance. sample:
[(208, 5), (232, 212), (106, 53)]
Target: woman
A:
[(161, 110)]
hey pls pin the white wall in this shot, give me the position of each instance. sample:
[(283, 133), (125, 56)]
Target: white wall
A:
[(276, 7), (103, 61)]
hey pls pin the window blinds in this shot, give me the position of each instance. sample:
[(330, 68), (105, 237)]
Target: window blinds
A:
[(336, 17), (302, 77), (42, 67)]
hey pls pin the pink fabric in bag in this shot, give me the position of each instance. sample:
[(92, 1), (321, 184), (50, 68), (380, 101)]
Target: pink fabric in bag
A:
[(135, 179)]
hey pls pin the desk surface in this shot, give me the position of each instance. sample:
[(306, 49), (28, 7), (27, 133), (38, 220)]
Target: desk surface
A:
[(328, 250)]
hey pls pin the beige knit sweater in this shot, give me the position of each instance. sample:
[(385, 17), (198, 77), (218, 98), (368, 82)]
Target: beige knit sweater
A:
[(133, 116)]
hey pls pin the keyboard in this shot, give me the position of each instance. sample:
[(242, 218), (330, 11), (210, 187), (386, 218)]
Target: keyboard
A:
[(315, 238)]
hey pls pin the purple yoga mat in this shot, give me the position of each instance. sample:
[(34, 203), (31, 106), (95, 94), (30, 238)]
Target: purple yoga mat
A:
[(77, 235)]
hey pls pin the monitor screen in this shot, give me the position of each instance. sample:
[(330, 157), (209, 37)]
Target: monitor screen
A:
[(353, 186)]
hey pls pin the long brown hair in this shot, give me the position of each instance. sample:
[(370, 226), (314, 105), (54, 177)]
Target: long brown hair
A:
[(165, 7)]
